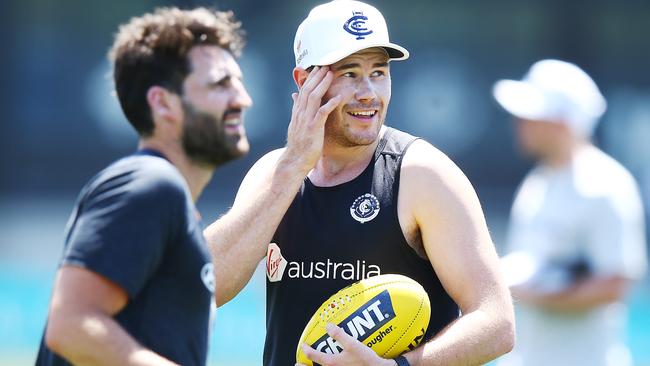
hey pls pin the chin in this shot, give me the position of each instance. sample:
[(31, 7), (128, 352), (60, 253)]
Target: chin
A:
[(347, 134), (243, 147), (237, 144), (364, 137), (364, 140)]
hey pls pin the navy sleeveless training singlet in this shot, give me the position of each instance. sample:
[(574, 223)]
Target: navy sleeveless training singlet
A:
[(331, 237)]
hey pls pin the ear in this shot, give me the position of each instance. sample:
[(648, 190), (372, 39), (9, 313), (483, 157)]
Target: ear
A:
[(299, 76), (164, 104)]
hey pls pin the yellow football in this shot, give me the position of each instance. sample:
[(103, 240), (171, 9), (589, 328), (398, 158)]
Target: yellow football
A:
[(388, 313)]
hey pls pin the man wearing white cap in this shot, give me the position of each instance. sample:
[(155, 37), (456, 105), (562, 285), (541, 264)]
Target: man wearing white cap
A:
[(349, 198), (576, 236)]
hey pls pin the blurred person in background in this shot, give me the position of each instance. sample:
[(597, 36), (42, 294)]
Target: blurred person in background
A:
[(576, 238), (348, 198), (135, 282)]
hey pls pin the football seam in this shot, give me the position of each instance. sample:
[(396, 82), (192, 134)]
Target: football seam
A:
[(407, 328)]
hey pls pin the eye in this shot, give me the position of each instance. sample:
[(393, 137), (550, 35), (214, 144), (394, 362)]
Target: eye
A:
[(222, 83), (349, 74), (377, 73)]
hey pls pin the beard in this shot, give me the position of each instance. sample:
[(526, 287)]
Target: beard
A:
[(341, 135), (339, 131), (205, 140)]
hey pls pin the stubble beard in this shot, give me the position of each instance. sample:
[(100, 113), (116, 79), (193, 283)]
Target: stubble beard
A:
[(339, 132)]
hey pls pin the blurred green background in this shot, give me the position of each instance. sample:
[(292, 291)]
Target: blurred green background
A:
[(62, 124)]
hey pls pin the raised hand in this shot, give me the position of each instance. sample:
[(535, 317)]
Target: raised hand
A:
[(307, 127)]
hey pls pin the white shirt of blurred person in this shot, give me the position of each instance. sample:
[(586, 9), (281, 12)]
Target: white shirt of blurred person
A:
[(330, 144), (576, 237)]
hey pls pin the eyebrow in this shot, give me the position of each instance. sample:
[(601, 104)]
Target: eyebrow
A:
[(353, 65), (218, 81), (224, 78)]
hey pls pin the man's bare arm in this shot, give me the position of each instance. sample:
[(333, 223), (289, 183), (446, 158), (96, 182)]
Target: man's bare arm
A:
[(239, 239), (81, 327), (584, 295), (457, 242)]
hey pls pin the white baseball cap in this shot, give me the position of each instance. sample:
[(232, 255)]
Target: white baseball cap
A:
[(335, 30), (554, 91)]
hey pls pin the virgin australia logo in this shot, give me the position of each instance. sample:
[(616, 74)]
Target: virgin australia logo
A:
[(357, 25), (365, 208), (275, 263)]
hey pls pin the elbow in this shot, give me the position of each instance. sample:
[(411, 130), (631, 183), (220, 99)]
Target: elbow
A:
[(221, 295), (219, 299), (506, 335), (502, 330), (55, 336), (52, 340), (508, 327), (62, 333), (619, 289)]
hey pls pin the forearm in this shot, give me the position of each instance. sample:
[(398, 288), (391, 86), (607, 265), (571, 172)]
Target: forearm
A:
[(584, 295), (97, 339), (239, 239), (474, 339)]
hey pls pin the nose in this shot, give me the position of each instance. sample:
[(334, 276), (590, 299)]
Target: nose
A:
[(365, 90), (241, 97)]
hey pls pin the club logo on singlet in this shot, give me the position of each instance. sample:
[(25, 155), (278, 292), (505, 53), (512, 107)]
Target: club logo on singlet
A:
[(365, 208), (207, 276), (275, 263)]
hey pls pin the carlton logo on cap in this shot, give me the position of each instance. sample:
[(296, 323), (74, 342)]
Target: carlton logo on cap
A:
[(357, 25), (339, 28)]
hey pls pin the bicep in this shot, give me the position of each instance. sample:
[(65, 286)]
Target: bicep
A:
[(78, 290), (453, 228), (83, 303)]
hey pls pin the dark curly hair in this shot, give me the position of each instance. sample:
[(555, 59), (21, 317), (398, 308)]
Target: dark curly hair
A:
[(152, 50)]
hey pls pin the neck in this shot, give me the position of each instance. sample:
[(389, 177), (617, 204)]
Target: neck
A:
[(563, 155), (197, 176), (340, 164)]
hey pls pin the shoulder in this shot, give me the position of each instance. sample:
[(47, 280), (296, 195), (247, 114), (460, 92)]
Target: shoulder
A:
[(426, 164), (431, 183), (597, 174), (140, 178)]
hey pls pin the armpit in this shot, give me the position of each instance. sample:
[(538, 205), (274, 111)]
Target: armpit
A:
[(414, 239)]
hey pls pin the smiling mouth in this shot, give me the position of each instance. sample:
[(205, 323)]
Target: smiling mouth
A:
[(363, 114), (232, 118), (232, 122)]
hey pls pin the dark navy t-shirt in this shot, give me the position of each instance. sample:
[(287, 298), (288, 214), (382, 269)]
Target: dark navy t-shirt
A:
[(135, 223)]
